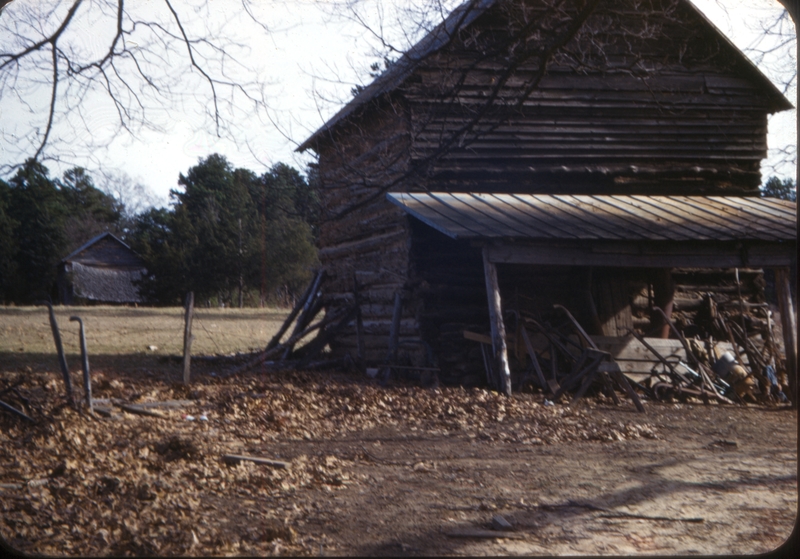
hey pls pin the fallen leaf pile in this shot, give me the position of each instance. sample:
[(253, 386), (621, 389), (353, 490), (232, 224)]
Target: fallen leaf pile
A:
[(77, 484)]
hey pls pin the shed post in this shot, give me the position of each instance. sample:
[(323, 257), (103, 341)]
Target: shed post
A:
[(789, 326), (499, 349)]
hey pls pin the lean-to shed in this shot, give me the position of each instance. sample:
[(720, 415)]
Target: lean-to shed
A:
[(547, 152), (103, 270)]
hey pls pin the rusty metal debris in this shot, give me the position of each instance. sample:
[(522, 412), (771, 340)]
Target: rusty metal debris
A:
[(556, 356)]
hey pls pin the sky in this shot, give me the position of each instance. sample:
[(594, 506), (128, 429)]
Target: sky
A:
[(309, 56)]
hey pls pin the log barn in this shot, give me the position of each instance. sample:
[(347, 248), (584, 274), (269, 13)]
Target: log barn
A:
[(102, 270), (527, 153)]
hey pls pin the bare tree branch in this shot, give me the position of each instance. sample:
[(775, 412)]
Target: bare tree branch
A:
[(136, 66)]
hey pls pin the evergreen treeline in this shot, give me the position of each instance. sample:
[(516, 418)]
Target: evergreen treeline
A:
[(230, 236)]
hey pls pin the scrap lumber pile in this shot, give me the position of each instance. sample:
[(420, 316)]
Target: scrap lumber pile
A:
[(730, 307), (558, 356), (289, 353), (555, 355)]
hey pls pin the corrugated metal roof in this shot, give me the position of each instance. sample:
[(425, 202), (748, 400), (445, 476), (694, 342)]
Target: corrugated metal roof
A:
[(442, 34), (566, 216)]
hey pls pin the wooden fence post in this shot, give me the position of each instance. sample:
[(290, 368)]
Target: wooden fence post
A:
[(187, 337)]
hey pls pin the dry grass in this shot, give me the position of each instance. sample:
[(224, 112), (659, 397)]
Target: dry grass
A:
[(131, 331)]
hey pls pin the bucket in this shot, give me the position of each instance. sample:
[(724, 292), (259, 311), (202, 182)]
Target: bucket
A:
[(724, 364)]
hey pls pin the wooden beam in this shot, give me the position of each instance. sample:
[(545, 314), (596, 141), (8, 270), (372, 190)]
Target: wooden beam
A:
[(655, 254), (499, 349), (788, 322), (236, 458)]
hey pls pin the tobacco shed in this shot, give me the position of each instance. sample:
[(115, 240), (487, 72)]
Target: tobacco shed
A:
[(584, 153), (103, 270)]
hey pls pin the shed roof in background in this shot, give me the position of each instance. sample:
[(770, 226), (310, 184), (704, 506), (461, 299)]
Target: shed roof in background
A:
[(608, 217)]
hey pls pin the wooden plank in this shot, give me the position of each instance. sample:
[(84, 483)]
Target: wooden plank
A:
[(485, 534), (133, 408), (362, 245), (475, 337), (637, 254), (236, 458)]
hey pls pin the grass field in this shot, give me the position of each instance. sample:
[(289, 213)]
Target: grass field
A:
[(25, 334)]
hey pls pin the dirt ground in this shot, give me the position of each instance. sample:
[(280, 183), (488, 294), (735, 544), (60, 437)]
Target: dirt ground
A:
[(395, 470)]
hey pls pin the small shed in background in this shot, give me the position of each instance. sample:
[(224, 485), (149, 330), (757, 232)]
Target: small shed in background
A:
[(103, 270)]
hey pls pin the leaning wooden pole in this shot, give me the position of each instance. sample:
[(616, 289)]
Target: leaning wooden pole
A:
[(301, 304), (62, 360), (187, 337), (788, 322), (87, 381), (499, 348)]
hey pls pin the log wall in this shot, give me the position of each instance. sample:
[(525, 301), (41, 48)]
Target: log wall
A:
[(644, 99), (363, 237)]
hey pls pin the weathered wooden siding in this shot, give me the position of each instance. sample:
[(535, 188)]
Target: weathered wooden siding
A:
[(362, 236), (647, 100), (643, 98)]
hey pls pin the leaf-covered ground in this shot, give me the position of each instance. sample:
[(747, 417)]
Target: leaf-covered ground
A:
[(380, 470)]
